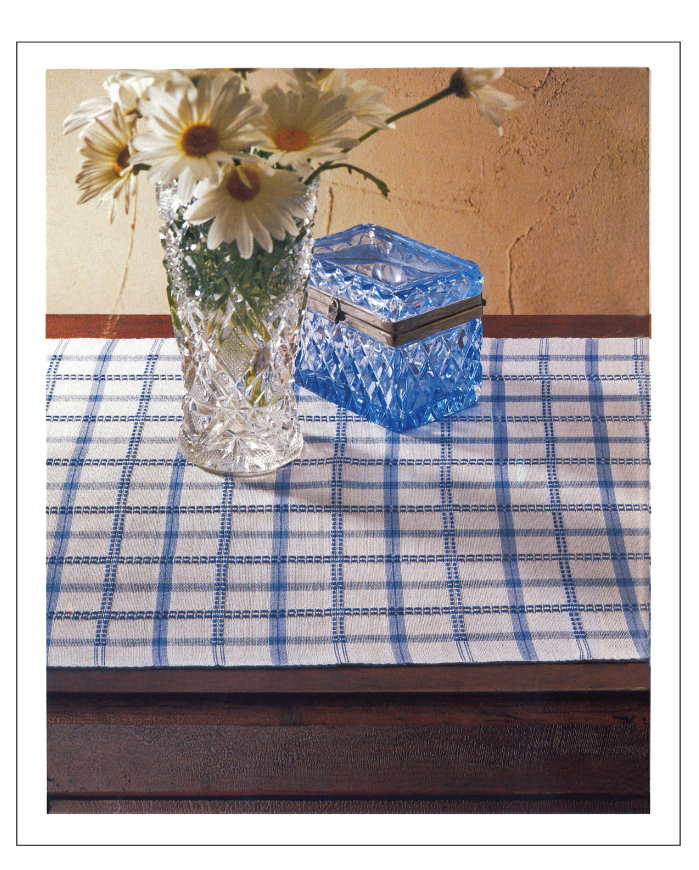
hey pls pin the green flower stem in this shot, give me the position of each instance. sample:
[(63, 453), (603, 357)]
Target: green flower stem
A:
[(382, 186), (435, 98), (440, 95)]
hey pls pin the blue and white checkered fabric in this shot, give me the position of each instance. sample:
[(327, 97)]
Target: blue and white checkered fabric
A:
[(517, 530)]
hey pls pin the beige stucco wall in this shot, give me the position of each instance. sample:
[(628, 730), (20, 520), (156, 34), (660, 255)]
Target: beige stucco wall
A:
[(555, 211)]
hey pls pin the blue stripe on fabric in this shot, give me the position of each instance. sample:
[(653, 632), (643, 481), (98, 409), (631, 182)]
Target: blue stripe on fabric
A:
[(639, 358), (379, 613), (52, 372), (615, 534), (336, 569), (502, 492), (394, 578), (172, 526), (530, 398), (450, 556), (70, 488), (555, 504), (109, 581), (221, 580), (278, 582)]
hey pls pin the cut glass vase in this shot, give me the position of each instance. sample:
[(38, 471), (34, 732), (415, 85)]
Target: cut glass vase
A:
[(237, 325)]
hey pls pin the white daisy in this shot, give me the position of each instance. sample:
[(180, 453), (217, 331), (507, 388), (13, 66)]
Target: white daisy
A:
[(192, 133), (97, 107), (172, 81), (366, 104), (319, 79), (251, 203), (124, 89), (475, 82), (301, 126), (363, 100), (207, 71), (106, 171)]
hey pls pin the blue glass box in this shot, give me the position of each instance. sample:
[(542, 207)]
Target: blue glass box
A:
[(393, 328)]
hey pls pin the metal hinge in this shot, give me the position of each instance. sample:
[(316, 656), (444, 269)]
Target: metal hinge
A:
[(399, 332)]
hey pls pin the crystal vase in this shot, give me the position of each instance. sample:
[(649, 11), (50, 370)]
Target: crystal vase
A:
[(237, 324)]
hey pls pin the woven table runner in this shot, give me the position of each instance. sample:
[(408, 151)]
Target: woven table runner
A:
[(517, 530)]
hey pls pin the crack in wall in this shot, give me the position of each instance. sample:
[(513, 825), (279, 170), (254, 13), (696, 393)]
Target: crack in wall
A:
[(549, 73), (510, 296), (586, 182), (455, 207), (331, 202)]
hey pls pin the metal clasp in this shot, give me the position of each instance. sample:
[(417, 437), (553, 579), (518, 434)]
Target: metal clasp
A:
[(334, 311)]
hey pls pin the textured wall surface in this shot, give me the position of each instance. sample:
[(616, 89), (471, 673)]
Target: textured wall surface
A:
[(555, 211)]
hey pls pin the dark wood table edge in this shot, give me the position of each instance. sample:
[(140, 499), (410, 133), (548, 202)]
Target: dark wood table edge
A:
[(494, 326), (517, 677)]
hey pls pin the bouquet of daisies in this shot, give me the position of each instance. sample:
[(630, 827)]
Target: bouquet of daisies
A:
[(241, 161)]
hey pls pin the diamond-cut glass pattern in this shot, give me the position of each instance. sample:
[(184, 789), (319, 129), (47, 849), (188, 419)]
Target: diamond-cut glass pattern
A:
[(237, 327), (394, 278), (391, 275)]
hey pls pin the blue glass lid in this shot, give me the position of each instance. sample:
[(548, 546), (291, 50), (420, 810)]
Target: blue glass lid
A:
[(389, 275)]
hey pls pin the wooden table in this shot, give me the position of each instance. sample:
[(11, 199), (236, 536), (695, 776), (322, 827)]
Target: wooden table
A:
[(568, 737)]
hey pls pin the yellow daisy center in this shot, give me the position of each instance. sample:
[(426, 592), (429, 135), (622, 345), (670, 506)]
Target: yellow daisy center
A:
[(199, 140), (121, 161), (291, 139), (239, 190)]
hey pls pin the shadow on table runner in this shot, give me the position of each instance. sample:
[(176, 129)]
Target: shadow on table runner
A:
[(515, 531)]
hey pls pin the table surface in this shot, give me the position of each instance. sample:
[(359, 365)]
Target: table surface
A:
[(576, 734)]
